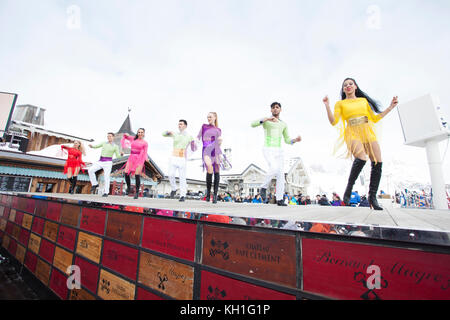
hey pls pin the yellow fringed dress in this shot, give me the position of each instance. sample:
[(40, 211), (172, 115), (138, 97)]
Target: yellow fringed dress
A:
[(357, 124)]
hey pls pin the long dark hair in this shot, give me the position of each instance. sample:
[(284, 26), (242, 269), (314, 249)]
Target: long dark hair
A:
[(138, 131), (361, 94)]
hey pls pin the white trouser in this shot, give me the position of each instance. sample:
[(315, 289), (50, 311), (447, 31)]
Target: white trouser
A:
[(178, 163), (106, 166), (275, 160)]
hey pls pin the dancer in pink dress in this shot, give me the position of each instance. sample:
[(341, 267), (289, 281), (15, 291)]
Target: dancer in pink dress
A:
[(137, 158)]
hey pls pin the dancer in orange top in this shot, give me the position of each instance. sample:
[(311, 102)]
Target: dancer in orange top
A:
[(359, 112), (74, 163)]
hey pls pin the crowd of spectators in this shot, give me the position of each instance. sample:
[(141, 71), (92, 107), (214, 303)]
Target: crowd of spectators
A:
[(355, 201), (414, 199)]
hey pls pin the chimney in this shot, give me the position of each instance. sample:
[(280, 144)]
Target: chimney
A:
[(29, 114)]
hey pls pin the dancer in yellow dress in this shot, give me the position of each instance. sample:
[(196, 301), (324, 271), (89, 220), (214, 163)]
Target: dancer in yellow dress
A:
[(358, 113)]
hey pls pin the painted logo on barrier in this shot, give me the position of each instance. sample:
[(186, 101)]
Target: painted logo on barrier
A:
[(219, 248), (215, 293), (162, 279)]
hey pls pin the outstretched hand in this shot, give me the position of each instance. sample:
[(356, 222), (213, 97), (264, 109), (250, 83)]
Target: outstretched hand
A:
[(394, 102), (298, 139), (326, 101)]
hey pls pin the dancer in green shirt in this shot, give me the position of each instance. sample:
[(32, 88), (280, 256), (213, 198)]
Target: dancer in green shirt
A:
[(274, 131), (181, 141), (109, 149)]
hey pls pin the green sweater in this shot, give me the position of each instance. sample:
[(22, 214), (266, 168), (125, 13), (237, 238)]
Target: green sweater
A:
[(108, 149), (273, 132), (180, 141)]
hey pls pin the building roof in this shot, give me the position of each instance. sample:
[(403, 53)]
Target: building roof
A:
[(245, 171), (27, 172), (42, 130), (126, 126)]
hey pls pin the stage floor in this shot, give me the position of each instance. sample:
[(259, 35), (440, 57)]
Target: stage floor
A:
[(419, 219)]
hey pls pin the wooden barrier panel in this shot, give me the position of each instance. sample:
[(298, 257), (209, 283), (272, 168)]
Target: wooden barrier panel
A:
[(50, 230), (143, 294), (21, 204), (80, 294), (58, 283), (31, 204), (41, 208), (27, 221), (169, 277), (19, 217), (63, 259), (47, 250), (67, 237), (170, 237), (54, 211), (38, 225), (340, 270), (3, 224), (70, 214), (43, 271), (217, 287), (5, 242), (120, 258), (89, 246), (20, 253), (111, 287), (12, 247), (265, 256), (93, 220), (34, 243), (24, 237), (31, 261), (124, 227), (12, 215), (15, 232), (89, 273)]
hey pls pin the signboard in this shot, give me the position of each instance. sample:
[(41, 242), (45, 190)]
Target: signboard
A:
[(7, 104), (170, 237), (346, 271), (217, 287), (265, 256)]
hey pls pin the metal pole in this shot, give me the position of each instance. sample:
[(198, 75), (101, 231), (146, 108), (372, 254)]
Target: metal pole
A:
[(437, 175)]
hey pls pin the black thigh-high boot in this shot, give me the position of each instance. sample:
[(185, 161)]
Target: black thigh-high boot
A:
[(138, 185), (70, 184), (128, 182), (375, 177), (357, 166), (216, 186), (208, 186), (74, 184)]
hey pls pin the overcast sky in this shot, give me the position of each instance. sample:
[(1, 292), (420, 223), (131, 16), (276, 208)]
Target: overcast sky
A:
[(87, 62)]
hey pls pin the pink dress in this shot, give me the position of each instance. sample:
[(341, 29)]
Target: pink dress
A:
[(138, 154)]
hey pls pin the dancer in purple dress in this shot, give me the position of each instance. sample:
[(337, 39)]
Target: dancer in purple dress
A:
[(210, 134)]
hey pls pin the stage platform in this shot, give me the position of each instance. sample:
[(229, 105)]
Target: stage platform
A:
[(420, 219), (162, 249)]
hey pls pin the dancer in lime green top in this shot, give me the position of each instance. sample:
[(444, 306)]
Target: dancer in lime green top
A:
[(181, 142), (275, 130), (109, 149)]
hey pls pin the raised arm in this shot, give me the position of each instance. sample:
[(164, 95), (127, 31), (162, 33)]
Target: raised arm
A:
[(332, 118), (257, 123), (394, 103)]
